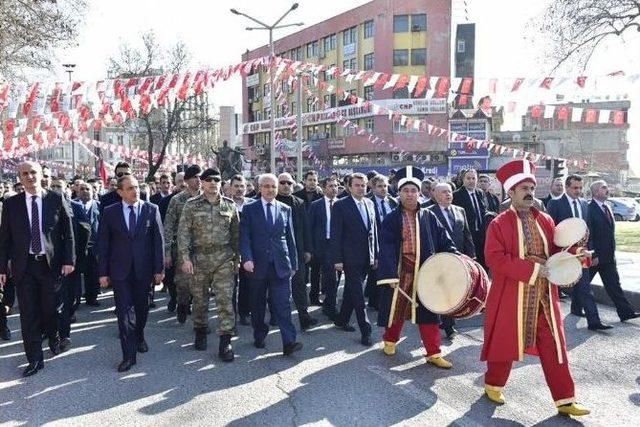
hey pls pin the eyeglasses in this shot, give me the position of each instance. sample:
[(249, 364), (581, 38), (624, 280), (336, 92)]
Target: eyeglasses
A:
[(286, 183), (212, 178), (121, 174)]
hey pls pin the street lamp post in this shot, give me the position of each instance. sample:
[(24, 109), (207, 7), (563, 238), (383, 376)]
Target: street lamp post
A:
[(69, 69), (270, 28)]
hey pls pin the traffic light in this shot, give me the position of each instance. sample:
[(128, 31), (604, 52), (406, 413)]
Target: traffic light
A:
[(559, 169)]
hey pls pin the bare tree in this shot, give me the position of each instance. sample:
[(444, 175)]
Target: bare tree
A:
[(31, 30), (576, 28), (163, 125)]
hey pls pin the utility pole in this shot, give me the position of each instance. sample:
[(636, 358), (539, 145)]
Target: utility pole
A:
[(299, 126), (69, 68)]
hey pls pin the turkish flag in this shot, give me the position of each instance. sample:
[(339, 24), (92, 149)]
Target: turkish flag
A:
[(546, 83), (28, 104), (402, 82), (421, 86), (563, 113), (382, 80), (581, 81), (591, 116), (536, 111), (442, 87), (618, 117), (102, 171), (465, 87), (516, 84)]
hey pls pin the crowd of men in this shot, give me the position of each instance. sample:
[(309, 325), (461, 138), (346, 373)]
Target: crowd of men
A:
[(254, 245)]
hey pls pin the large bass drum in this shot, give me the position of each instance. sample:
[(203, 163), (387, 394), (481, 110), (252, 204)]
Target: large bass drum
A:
[(452, 284)]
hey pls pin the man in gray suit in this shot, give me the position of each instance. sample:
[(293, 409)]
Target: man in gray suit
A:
[(454, 219)]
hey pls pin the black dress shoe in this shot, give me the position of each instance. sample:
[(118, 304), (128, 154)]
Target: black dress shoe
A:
[(152, 304), (73, 319), (630, 316), (331, 314), (93, 303), (599, 327), (65, 344), (366, 340), (171, 305), (450, 332), (143, 347), (315, 302), (273, 322), (54, 346), (291, 348), (581, 314), (258, 344), (32, 368), (126, 364), (244, 320), (344, 326), (5, 332)]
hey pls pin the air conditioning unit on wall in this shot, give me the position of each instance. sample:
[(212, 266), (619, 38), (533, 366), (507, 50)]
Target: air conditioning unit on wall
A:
[(396, 157)]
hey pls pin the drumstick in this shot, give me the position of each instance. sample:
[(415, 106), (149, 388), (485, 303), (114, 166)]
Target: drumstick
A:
[(407, 296)]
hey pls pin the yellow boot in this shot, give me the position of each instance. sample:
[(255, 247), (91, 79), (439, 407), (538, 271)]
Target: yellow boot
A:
[(494, 394), (389, 348), (440, 362), (574, 409)]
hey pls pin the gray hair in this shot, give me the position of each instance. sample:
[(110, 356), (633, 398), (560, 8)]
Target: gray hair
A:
[(267, 176), (442, 185), (596, 185)]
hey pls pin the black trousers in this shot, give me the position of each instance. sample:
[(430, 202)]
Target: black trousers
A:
[(330, 280), (9, 297), (91, 283), (241, 294), (68, 293), (40, 299), (313, 268), (169, 276), (611, 281), (299, 289), (371, 290), (132, 307), (353, 297)]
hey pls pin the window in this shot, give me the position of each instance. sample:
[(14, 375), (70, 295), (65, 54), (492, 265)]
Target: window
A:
[(326, 100), (401, 23), (293, 108), (350, 64), (368, 93), (267, 113), (402, 93), (350, 35), (419, 22), (368, 124), (368, 61), (330, 42), (329, 75), (312, 49), (266, 89), (400, 57), (368, 29), (418, 56), (462, 47), (285, 86), (310, 105)]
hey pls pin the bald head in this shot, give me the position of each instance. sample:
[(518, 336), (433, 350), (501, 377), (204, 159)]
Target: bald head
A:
[(285, 184)]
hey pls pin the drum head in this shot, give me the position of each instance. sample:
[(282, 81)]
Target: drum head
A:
[(569, 232), (564, 269), (443, 282)]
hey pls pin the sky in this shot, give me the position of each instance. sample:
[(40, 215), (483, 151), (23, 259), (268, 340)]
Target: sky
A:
[(216, 38)]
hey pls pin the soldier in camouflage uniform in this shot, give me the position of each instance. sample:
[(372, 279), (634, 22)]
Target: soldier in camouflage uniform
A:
[(171, 221), (208, 250)]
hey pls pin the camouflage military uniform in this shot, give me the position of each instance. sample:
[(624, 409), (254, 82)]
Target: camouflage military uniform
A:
[(209, 235), (171, 221)]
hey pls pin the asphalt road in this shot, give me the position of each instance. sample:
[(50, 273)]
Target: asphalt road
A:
[(334, 380)]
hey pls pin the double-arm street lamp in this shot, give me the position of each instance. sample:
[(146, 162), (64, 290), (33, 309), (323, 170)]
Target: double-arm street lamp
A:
[(272, 109), (69, 68)]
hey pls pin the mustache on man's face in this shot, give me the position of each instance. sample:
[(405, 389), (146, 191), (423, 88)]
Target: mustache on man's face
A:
[(528, 197)]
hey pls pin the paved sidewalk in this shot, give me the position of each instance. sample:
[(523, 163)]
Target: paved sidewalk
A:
[(629, 270)]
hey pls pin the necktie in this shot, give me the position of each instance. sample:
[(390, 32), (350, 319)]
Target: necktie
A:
[(132, 220), (451, 219), (383, 209), (269, 215), (363, 214), (576, 212), (36, 243), (330, 204), (476, 208), (607, 213)]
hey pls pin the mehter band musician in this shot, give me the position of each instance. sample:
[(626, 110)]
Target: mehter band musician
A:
[(522, 310)]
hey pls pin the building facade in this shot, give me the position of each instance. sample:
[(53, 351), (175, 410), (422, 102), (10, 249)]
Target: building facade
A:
[(411, 37)]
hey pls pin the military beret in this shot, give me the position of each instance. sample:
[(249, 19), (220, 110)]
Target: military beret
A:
[(192, 171), (210, 172)]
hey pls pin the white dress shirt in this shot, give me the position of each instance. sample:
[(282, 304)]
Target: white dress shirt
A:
[(125, 210), (327, 208), (27, 197), (273, 209), (580, 214), (446, 216)]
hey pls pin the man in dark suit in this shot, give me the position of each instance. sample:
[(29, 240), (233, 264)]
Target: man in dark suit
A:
[(354, 249), (269, 255), (455, 221), (301, 234), (309, 194), (491, 201), (602, 228), (108, 199), (383, 203), (131, 257), (471, 200), (570, 205), (320, 231), (163, 193), (170, 271), (36, 236), (557, 190), (87, 261), (241, 294)]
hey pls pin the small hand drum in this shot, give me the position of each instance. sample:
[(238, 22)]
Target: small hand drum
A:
[(565, 269), (570, 232)]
